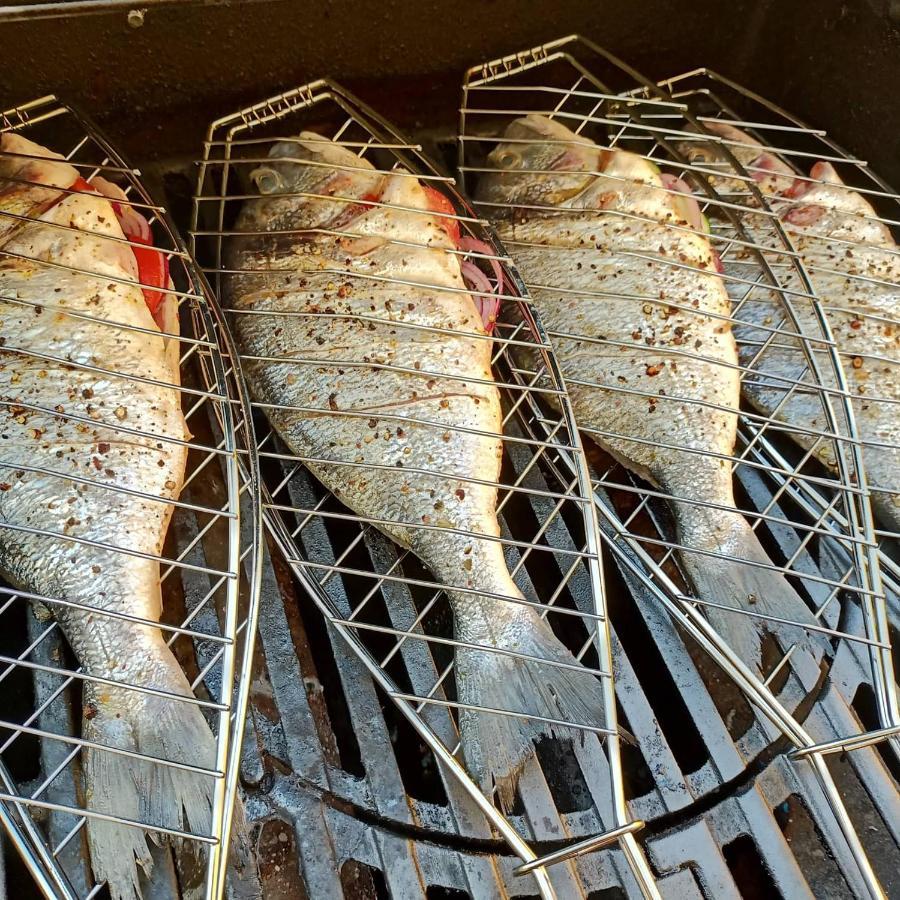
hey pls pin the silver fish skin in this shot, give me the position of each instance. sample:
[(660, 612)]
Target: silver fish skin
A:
[(639, 320), (386, 388), (853, 264), (66, 464)]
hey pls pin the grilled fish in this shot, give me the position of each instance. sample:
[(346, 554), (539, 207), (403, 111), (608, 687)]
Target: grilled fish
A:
[(87, 444), (853, 265), (639, 320), (377, 365)]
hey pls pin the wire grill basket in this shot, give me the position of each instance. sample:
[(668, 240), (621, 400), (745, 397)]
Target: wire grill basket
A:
[(803, 150), (354, 573), (209, 564), (576, 83)]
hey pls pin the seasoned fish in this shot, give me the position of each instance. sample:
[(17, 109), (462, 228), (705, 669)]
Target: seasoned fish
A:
[(853, 264), (87, 443), (376, 360), (640, 323)]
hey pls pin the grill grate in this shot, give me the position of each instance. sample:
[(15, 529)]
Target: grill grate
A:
[(210, 570), (308, 785)]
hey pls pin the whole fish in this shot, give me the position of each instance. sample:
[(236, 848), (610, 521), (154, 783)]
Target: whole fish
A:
[(87, 445), (639, 320), (375, 357), (853, 265)]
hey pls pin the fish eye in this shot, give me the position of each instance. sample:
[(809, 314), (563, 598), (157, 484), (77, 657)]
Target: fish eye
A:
[(267, 180), (508, 159)]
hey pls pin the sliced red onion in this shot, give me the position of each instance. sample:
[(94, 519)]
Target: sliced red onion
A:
[(473, 245), (475, 278), (134, 226), (800, 187), (765, 165), (488, 306), (804, 215), (674, 183)]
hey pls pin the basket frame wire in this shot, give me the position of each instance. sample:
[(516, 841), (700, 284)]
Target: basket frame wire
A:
[(625, 549), (242, 515), (876, 615), (384, 136)]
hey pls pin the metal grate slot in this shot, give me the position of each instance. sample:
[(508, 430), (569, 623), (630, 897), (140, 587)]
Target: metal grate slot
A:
[(748, 870)]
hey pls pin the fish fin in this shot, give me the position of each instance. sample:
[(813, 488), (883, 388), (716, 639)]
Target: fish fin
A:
[(140, 790), (748, 586), (498, 746)]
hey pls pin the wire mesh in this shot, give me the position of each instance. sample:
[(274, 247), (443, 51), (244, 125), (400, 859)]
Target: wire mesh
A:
[(849, 263), (355, 573), (574, 83), (84, 223)]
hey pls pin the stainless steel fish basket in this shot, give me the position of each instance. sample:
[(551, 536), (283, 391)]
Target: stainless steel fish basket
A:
[(379, 598), (713, 98), (599, 97), (210, 569)]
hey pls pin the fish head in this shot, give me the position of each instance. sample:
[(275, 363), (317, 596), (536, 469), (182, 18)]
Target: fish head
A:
[(771, 173), (300, 176), (539, 162), (316, 165)]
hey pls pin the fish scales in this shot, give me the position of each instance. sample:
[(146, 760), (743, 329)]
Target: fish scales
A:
[(636, 365), (852, 262)]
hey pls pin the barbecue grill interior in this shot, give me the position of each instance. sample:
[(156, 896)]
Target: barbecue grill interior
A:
[(348, 802)]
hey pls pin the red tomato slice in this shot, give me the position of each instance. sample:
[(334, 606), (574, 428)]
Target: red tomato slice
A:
[(153, 269), (79, 184), (438, 203)]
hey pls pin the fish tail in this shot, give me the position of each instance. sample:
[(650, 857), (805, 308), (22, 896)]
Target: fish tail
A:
[(137, 789), (497, 746), (744, 582)]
